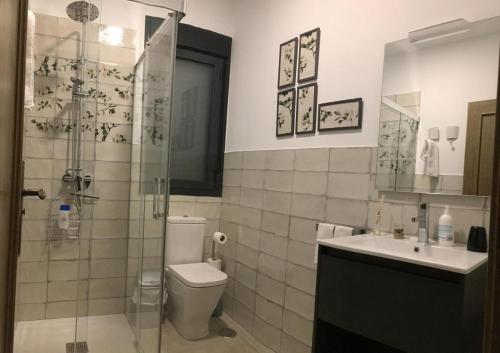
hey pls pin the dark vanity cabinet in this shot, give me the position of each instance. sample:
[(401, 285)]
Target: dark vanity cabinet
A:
[(369, 304)]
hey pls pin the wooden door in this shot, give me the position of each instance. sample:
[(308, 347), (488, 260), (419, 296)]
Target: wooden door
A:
[(13, 15), (478, 164)]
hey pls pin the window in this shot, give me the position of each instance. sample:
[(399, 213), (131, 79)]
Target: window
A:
[(199, 109)]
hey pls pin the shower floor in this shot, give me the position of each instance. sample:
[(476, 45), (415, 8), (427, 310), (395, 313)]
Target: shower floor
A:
[(112, 334), (106, 334)]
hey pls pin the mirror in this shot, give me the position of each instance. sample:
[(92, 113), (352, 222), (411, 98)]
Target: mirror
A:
[(438, 108)]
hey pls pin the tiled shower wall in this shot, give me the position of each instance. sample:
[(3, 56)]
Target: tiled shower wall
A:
[(271, 203), (55, 273)]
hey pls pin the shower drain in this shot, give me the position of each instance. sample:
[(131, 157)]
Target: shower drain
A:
[(77, 347), (227, 332)]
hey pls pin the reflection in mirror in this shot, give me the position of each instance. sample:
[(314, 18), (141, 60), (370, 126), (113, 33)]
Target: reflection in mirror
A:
[(438, 110)]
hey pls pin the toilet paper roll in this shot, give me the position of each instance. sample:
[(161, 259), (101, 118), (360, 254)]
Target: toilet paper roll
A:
[(217, 263), (220, 238)]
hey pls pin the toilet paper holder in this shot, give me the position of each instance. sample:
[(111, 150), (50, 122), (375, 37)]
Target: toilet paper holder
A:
[(219, 238)]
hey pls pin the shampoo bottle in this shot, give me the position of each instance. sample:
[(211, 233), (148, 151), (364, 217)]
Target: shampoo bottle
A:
[(446, 234), (63, 221)]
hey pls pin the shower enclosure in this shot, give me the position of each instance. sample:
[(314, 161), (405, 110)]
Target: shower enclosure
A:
[(97, 142)]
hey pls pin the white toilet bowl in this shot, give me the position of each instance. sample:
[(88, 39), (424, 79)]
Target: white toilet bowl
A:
[(193, 293)]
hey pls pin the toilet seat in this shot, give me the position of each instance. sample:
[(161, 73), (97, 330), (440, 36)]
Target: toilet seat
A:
[(198, 275)]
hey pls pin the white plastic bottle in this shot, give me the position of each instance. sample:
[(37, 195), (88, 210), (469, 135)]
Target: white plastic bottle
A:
[(446, 235), (63, 221)]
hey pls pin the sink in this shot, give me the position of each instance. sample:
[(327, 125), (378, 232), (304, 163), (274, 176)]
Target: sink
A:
[(455, 259)]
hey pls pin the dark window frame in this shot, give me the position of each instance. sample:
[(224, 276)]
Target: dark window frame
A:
[(191, 42)]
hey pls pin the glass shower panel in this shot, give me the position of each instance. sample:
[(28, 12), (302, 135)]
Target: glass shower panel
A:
[(397, 150), (150, 156), (96, 139)]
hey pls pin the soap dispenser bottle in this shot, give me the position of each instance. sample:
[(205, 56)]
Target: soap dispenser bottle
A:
[(446, 234)]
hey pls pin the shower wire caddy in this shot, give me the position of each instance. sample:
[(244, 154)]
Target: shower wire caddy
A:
[(72, 232)]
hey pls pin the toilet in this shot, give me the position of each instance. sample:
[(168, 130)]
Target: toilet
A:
[(194, 287)]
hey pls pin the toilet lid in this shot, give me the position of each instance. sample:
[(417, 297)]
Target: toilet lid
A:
[(198, 275)]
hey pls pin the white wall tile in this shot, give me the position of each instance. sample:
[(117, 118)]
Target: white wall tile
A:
[(301, 278), (275, 223), (308, 206), (267, 334), (310, 183), (272, 267), (315, 159), (349, 186), (254, 160), (245, 296), (299, 302), (303, 230), (252, 179), (278, 202), (353, 160), (271, 289), (298, 327), (280, 160), (269, 311), (278, 180), (347, 212), (301, 254), (273, 244)]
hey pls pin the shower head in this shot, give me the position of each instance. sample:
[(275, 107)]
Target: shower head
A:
[(82, 11)]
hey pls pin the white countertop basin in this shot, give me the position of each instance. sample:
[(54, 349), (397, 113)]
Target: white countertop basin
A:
[(455, 259)]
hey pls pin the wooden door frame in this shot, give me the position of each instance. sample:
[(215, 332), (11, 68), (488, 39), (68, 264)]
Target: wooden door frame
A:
[(17, 182), (492, 317)]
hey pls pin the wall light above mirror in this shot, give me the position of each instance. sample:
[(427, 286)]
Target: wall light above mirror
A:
[(439, 82)]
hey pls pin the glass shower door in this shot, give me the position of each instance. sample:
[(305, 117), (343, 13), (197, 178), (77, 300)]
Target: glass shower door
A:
[(150, 186)]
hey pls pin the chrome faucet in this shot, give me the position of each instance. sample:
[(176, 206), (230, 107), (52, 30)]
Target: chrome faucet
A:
[(423, 223)]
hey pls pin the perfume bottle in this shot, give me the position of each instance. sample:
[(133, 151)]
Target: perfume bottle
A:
[(378, 217)]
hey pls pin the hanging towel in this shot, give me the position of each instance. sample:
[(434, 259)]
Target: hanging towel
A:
[(430, 156), (29, 88), (342, 231), (327, 231)]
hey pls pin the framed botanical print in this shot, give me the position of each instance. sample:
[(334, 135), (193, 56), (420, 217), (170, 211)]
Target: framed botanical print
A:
[(309, 55), (285, 114), (307, 97), (340, 115), (287, 64)]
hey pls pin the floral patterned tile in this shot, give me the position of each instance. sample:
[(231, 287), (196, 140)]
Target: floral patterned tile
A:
[(113, 133), (114, 113), (45, 66), (67, 68), (116, 74), (112, 94), (44, 107), (45, 86)]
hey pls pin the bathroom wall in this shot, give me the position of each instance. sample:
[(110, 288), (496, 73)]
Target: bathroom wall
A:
[(350, 62), (271, 203)]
